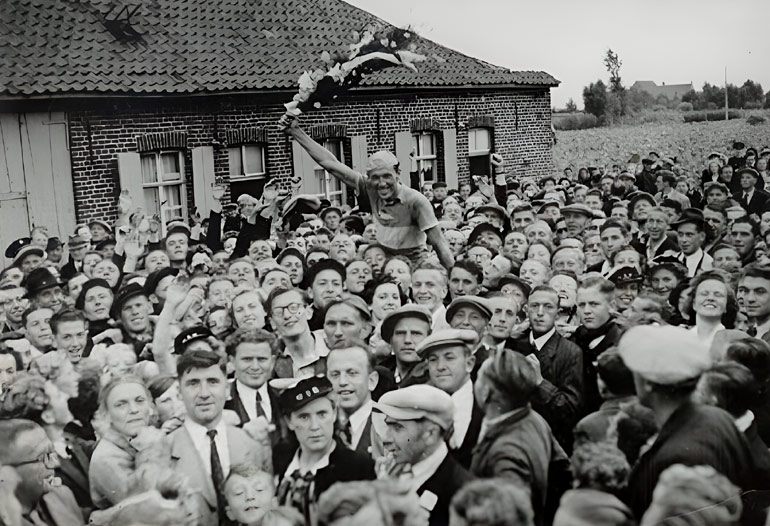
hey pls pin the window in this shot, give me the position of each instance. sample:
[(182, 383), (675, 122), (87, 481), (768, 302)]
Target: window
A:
[(424, 148), (479, 150), (325, 185), (247, 170), (164, 185)]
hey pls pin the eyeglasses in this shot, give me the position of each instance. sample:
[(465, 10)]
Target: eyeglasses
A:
[(293, 308), (50, 459)]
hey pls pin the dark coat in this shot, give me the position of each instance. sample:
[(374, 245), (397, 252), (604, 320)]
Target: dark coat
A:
[(445, 482), (521, 447), (345, 465), (694, 435), (760, 202), (234, 403), (559, 396), (582, 337)]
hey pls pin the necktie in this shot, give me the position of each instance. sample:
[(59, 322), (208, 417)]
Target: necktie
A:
[(217, 476), (752, 331), (346, 431), (260, 409), (746, 198)]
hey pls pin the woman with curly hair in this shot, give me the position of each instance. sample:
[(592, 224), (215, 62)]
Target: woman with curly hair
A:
[(491, 502), (125, 407), (600, 472)]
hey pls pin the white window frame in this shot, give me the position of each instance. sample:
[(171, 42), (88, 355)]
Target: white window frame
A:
[(420, 157), (162, 185), (338, 196), (239, 178), (479, 152)]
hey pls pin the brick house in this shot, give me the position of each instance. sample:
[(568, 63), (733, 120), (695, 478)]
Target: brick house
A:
[(166, 98)]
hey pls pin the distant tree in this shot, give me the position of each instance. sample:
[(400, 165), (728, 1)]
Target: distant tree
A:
[(695, 98), (751, 94), (595, 99), (767, 100), (612, 62), (638, 100), (571, 106)]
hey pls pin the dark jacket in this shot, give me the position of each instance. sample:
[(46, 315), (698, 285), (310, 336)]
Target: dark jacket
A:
[(445, 482), (694, 435), (464, 453), (583, 337), (234, 403), (760, 202), (521, 447), (559, 396)]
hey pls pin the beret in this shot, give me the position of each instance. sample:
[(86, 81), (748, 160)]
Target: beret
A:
[(416, 402)]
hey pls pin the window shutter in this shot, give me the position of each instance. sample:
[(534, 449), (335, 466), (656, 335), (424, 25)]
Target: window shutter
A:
[(403, 149), (450, 157), (358, 153), (130, 174), (303, 167), (203, 178)]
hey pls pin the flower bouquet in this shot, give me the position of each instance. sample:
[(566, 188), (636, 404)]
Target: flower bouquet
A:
[(373, 51)]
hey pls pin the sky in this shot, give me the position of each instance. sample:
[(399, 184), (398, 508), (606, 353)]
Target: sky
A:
[(666, 41)]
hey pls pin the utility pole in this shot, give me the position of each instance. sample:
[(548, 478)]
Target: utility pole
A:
[(726, 109)]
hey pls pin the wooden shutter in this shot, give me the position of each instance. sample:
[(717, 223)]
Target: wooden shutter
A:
[(358, 153), (403, 149), (130, 174), (203, 178), (450, 158), (304, 168)]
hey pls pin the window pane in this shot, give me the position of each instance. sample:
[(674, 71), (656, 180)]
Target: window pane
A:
[(471, 140), (416, 143), (173, 195), (172, 214), (171, 166), (427, 171), (236, 162), (482, 139), (151, 201), (319, 183), (253, 159), (427, 143), (149, 169), (334, 146)]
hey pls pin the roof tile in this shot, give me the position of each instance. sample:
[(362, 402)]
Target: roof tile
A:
[(55, 46)]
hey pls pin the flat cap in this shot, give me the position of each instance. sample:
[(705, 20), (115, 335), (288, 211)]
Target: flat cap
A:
[(416, 402), (512, 279), (297, 393), (405, 311), (124, 294), (104, 224), (177, 227), (747, 170), (155, 277), (664, 355), (499, 210), (330, 209), (353, 301), (577, 208), (76, 241), (639, 196), (381, 159), (627, 175), (690, 215), (445, 338), (476, 302), (480, 229)]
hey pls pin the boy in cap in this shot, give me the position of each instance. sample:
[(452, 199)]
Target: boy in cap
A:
[(666, 363), (310, 408), (417, 419), (405, 218)]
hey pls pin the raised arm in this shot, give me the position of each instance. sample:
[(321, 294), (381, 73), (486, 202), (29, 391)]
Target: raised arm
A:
[(440, 245), (321, 155)]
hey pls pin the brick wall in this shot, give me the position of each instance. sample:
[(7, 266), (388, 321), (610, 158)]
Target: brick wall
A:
[(100, 131)]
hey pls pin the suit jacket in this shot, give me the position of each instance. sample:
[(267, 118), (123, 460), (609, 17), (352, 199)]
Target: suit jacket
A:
[(234, 403), (559, 396), (444, 483), (582, 337), (693, 435), (187, 460), (760, 201), (521, 447), (464, 453)]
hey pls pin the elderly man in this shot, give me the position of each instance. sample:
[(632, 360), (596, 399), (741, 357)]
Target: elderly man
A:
[(666, 363), (416, 419), (516, 442), (558, 365), (404, 329), (450, 358), (404, 216)]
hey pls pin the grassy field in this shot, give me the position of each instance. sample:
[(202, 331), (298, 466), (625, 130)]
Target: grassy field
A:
[(690, 143)]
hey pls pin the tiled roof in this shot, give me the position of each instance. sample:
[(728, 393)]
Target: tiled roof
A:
[(197, 46)]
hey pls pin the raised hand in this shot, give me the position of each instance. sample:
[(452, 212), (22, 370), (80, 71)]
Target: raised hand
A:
[(177, 291), (217, 191)]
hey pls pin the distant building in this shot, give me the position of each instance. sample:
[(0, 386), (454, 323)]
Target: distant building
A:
[(670, 91)]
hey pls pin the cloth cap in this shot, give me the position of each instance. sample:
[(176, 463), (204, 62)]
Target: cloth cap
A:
[(101, 223), (639, 196), (155, 277), (104, 243), (25, 251), (76, 242), (445, 338), (476, 302), (627, 175), (53, 243), (354, 301), (192, 334), (297, 393), (40, 279), (747, 170), (176, 227), (481, 228), (512, 279), (124, 294), (546, 204), (416, 402), (577, 208), (405, 311), (664, 355), (330, 209), (381, 159), (499, 210), (689, 215), (716, 184)]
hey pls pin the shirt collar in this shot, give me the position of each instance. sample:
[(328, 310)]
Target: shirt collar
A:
[(744, 421), (361, 415), (763, 328), (425, 468), (540, 341), (198, 431), (397, 197), (322, 462)]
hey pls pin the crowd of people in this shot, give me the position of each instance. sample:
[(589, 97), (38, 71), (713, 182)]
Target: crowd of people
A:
[(585, 349)]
